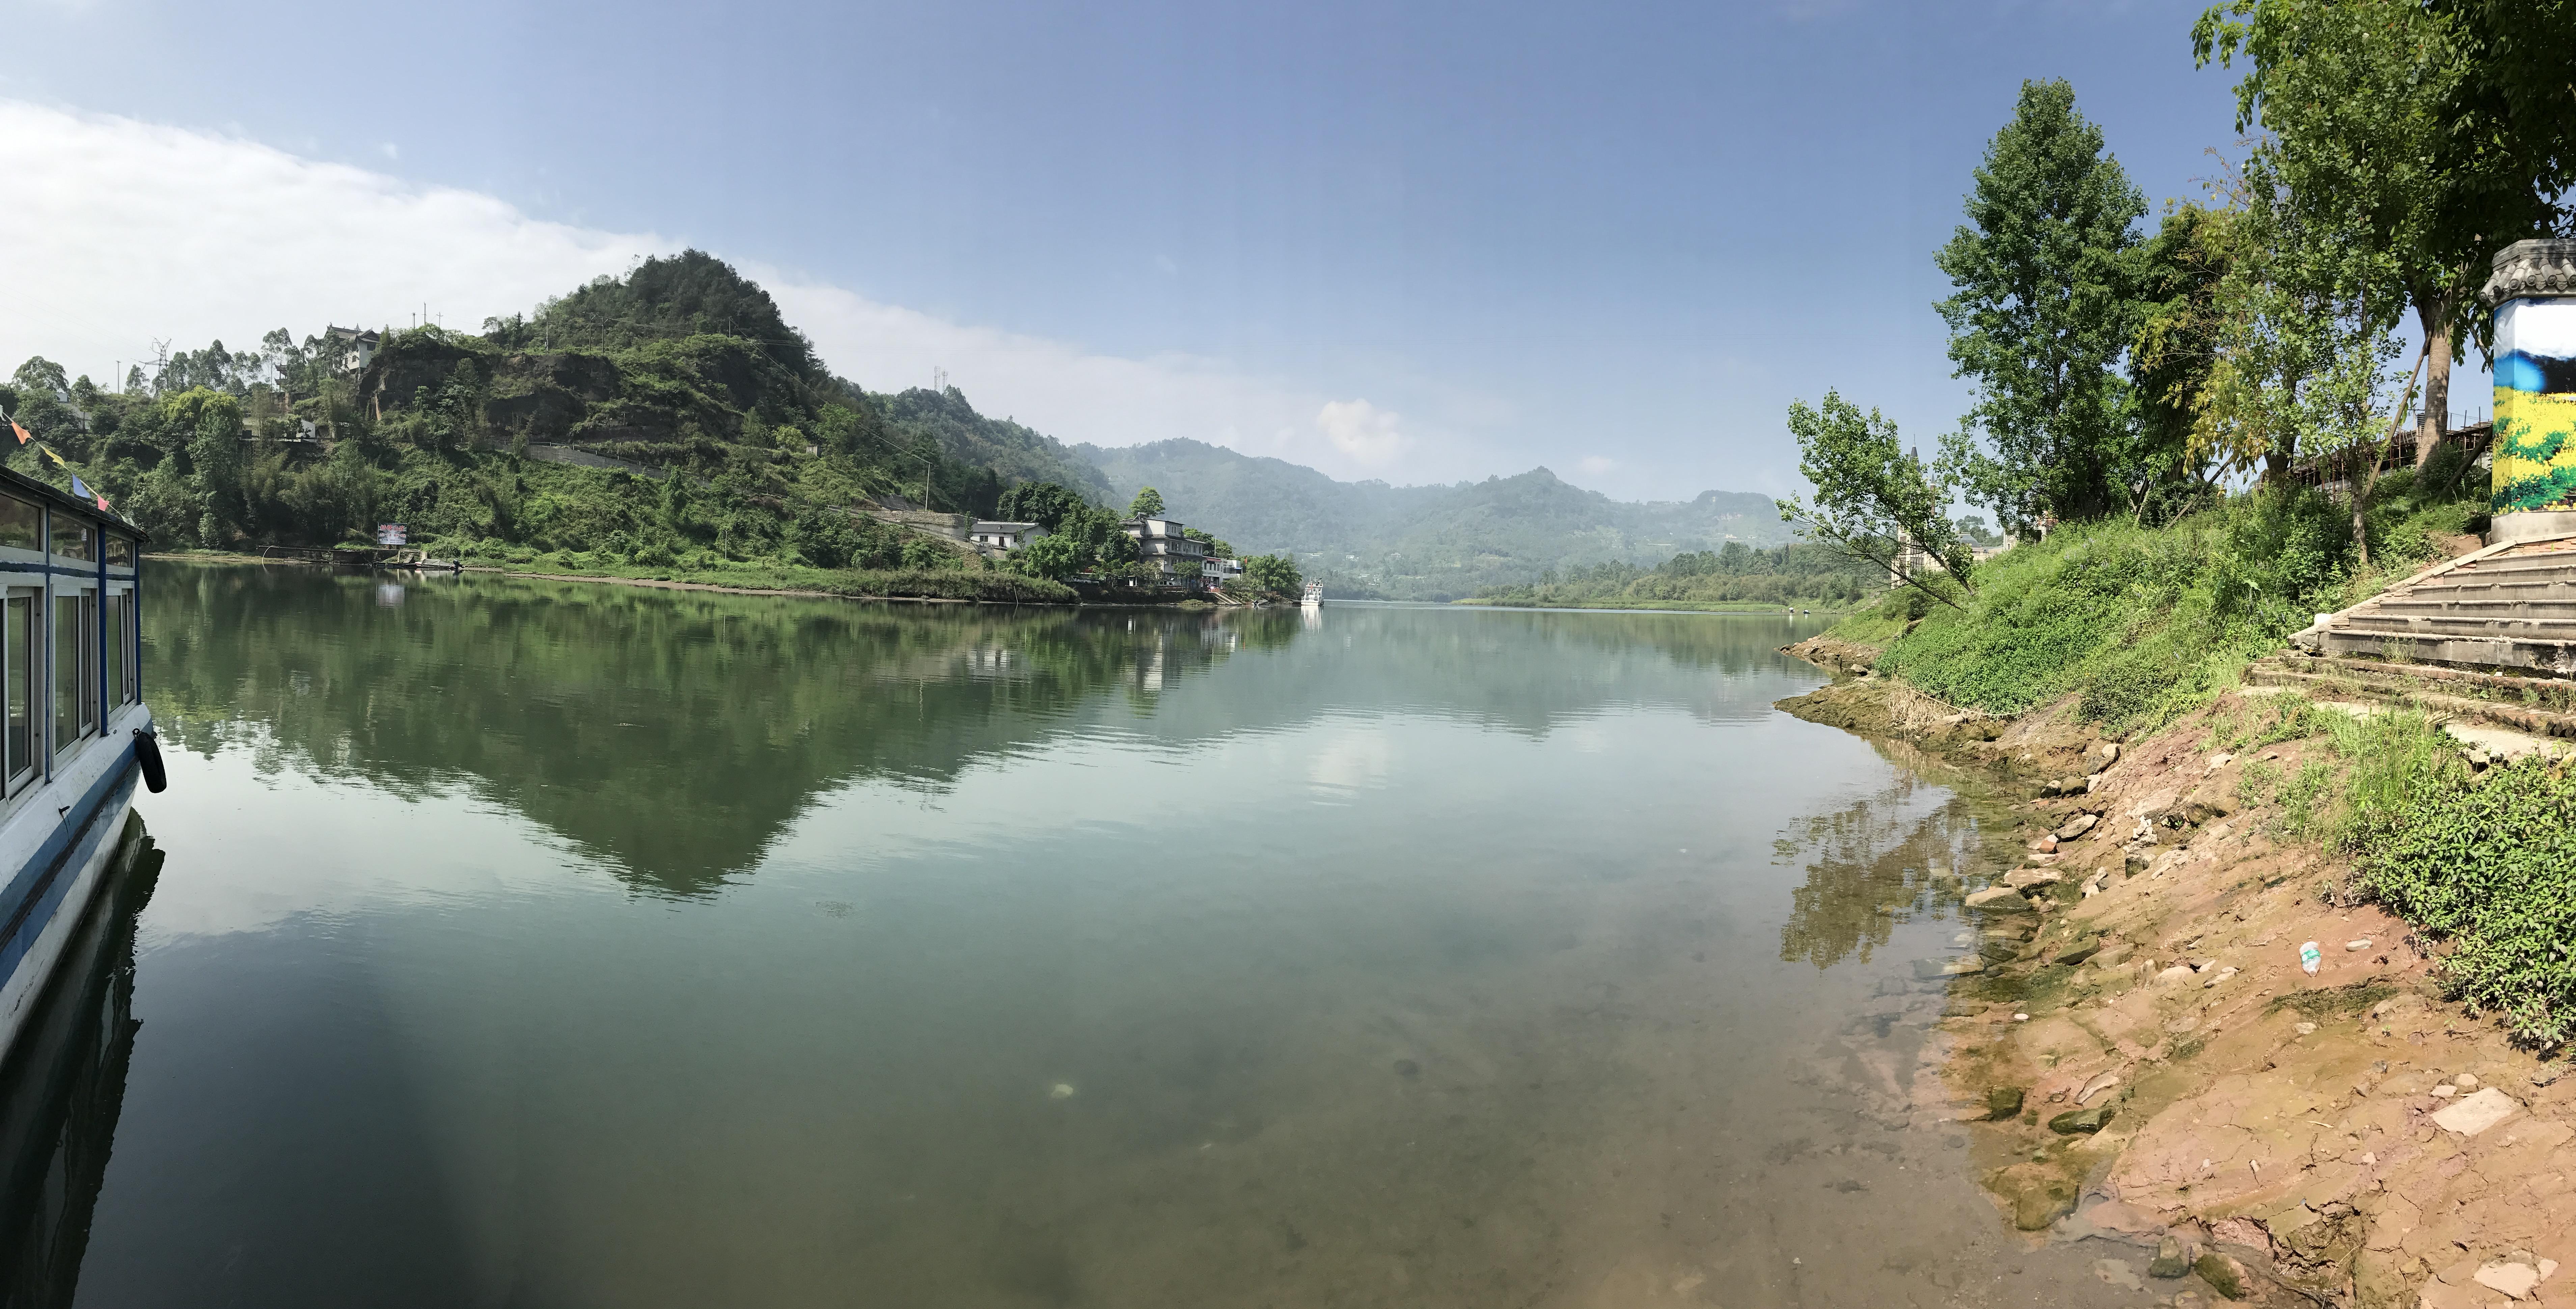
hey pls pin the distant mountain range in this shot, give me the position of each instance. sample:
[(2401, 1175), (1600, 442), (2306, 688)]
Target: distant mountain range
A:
[(1424, 542)]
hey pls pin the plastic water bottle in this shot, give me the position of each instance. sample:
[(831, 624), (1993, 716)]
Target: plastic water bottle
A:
[(2308, 957)]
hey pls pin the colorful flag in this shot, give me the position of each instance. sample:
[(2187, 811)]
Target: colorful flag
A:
[(81, 488), (102, 505), (47, 451), (23, 437)]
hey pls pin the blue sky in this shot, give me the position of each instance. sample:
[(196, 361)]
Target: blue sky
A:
[(1422, 242)]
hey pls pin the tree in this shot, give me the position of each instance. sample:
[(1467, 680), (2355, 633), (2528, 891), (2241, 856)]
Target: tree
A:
[(43, 375), (2043, 312), (215, 452), (1277, 573), (2382, 131), (1871, 496), (1052, 556), (1147, 504), (1043, 503)]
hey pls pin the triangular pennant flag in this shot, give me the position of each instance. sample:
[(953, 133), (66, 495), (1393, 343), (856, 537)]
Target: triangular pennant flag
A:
[(81, 488), (102, 504), (47, 451), (23, 437)]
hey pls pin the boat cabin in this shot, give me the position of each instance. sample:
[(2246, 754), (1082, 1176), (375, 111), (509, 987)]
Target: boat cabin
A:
[(77, 736)]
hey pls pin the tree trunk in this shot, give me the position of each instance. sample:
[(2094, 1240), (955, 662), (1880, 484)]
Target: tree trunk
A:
[(2436, 317)]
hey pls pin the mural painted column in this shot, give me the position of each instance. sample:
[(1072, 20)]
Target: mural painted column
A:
[(2533, 292)]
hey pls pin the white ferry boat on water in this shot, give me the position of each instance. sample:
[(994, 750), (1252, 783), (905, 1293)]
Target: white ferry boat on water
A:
[(1314, 596), (76, 737)]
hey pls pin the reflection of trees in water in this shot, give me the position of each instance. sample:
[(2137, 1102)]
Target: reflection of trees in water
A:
[(1869, 868), (673, 733), (63, 1089)]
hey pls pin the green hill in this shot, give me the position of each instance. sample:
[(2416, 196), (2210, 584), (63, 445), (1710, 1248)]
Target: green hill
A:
[(670, 419), (1427, 542)]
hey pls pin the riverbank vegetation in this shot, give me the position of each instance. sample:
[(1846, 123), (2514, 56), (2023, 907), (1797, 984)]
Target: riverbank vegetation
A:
[(2195, 431), (1735, 577), (667, 422)]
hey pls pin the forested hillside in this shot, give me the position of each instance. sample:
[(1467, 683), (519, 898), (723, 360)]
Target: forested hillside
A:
[(1427, 542), (745, 448)]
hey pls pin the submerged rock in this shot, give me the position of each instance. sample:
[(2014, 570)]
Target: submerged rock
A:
[(2002, 898), (2171, 1259), (2086, 1121)]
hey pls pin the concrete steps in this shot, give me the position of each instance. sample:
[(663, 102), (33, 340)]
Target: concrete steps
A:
[(2538, 706), (2506, 606)]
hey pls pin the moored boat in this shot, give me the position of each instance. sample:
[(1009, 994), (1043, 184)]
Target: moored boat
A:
[(76, 736), (1314, 596)]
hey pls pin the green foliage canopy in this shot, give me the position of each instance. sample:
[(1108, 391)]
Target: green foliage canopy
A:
[(1871, 495), (2044, 310)]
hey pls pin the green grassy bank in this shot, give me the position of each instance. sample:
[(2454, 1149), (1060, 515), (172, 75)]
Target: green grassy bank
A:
[(2144, 623)]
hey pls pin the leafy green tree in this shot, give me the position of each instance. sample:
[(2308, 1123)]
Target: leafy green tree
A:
[(215, 452), (1053, 556), (1871, 495), (1147, 504), (2044, 310), (41, 374), (1276, 573), (924, 554), (2380, 131), (1043, 503), (825, 537)]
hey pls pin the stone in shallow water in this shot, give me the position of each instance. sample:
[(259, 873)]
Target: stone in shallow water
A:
[(2003, 1102), (2087, 1121), (2001, 898), (2171, 1259)]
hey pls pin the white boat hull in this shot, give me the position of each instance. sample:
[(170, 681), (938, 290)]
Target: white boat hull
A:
[(55, 845)]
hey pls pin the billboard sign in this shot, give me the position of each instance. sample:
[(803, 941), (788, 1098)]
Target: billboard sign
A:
[(392, 534)]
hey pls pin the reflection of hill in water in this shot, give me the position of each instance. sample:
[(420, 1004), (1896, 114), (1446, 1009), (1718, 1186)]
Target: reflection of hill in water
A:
[(675, 734)]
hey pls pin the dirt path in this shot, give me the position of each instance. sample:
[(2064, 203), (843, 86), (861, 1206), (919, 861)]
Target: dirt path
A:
[(2146, 1056)]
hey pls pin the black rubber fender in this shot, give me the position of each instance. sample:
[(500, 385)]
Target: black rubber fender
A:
[(147, 752)]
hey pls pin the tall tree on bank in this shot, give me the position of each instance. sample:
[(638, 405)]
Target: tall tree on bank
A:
[(2044, 311), (2381, 132)]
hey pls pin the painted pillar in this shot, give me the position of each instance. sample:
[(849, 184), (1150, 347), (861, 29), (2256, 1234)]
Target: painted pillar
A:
[(2533, 292)]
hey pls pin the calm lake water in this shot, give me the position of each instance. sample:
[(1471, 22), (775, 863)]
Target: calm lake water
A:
[(551, 944)]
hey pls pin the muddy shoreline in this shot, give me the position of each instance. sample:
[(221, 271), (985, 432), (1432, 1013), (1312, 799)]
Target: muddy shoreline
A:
[(2142, 1061)]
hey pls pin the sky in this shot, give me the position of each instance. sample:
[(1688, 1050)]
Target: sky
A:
[(1418, 242)]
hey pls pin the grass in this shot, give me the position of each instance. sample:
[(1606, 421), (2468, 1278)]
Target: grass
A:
[(2144, 623), (1659, 606)]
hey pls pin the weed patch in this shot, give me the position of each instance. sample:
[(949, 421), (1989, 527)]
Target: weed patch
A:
[(2488, 864)]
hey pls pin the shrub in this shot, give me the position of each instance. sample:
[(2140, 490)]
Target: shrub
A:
[(2487, 863)]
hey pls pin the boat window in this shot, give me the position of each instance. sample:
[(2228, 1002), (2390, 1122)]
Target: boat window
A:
[(120, 550), (75, 670), (18, 671), (71, 538), (130, 640), (21, 524)]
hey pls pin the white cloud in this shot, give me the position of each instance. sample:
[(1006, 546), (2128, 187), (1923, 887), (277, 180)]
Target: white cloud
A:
[(117, 232), (1596, 465), (1362, 431)]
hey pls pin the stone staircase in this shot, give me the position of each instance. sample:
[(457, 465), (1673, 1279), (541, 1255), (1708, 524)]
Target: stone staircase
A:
[(2506, 606)]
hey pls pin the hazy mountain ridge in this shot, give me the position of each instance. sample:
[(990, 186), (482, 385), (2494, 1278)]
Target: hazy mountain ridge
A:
[(1422, 542)]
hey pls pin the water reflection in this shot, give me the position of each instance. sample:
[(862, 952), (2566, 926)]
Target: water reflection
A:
[(674, 735), (63, 1087)]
